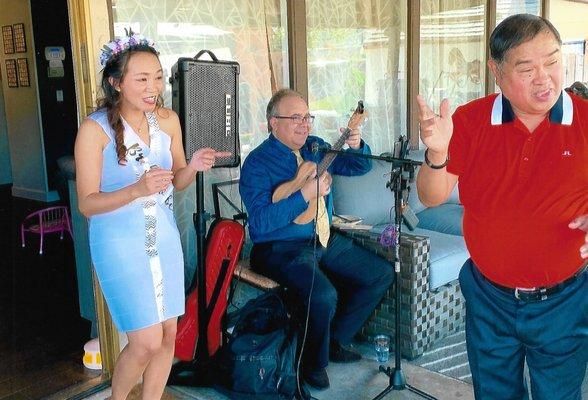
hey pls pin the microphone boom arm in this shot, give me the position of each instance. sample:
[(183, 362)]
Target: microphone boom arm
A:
[(394, 160)]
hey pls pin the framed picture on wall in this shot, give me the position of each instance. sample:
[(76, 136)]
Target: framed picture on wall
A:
[(8, 39), (11, 74), (23, 72), (20, 42)]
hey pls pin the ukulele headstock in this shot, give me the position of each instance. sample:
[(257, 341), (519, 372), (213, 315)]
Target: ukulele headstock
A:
[(358, 117)]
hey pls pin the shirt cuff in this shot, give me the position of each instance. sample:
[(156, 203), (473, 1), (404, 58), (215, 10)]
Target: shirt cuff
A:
[(298, 200), (362, 148)]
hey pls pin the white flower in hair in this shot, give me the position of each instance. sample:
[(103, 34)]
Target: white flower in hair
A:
[(124, 43)]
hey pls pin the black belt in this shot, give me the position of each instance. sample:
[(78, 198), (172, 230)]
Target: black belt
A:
[(540, 293)]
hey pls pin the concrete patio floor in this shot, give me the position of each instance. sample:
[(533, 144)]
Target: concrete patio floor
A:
[(358, 381), (363, 381)]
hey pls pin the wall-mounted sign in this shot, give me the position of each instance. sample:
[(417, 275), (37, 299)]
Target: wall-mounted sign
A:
[(20, 42), (8, 39), (23, 72), (11, 74)]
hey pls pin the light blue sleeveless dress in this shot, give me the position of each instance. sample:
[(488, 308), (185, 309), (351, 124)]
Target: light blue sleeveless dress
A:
[(136, 249)]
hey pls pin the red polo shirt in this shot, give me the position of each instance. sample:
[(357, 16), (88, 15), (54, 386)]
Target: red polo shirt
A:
[(520, 190)]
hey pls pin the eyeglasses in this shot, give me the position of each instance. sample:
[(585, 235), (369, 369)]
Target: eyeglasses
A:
[(298, 119)]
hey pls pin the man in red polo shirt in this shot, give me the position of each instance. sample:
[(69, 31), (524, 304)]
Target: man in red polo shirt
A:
[(521, 158)]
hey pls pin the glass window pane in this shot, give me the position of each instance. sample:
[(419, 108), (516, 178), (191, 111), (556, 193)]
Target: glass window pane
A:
[(452, 53), (251, 32), (571, 20), (505, 8), (356, 50)]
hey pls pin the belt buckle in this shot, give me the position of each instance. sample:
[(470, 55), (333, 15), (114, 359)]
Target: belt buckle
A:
[(523, 290), (542, 292)]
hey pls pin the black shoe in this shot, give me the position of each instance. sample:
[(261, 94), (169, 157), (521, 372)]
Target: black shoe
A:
[(338, 353), (317, 378)]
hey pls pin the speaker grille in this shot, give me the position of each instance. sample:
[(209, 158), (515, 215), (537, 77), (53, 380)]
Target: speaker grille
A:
[(210, 110)]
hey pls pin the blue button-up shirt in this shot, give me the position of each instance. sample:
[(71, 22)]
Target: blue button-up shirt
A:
[(273, 163)]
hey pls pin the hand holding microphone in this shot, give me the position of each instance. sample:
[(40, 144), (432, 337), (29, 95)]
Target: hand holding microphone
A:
[(153, 181)]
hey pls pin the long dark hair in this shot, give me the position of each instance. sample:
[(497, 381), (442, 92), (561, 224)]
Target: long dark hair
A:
[(116, 68)]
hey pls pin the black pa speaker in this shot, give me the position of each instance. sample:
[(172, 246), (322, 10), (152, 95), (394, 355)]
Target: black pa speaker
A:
[(205, 96)]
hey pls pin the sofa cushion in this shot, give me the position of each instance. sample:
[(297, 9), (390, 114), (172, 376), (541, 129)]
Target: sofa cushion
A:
[(454, 196), (446, 255), (413, 200), (365, 196), (446, 218)]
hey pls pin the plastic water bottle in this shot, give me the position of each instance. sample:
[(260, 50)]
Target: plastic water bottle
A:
[(382, 346)]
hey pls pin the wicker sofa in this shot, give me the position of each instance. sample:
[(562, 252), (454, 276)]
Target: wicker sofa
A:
[(432, 305), (432, 254)]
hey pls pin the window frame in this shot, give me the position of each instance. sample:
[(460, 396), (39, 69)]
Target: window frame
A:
[(87, 34)]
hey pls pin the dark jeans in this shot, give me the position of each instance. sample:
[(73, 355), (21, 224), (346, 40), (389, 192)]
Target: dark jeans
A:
[(501, 332), (346, 287)]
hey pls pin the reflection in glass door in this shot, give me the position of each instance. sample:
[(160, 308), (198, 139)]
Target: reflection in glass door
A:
[(453, 51), (357, 50)]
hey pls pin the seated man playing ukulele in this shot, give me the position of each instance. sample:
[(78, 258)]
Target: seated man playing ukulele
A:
[(283, 201)]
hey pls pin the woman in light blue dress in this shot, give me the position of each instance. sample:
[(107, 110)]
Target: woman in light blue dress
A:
[(129, 158)]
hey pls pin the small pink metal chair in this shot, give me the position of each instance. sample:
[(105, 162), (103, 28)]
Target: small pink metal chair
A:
[(47, 220)]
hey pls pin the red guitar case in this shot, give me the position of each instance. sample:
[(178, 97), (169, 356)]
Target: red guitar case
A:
[(224, 243)]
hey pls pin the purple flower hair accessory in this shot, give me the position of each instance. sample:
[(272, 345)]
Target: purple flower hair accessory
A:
[(121, 44)]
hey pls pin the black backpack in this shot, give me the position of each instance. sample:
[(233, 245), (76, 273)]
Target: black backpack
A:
[(259, 360)]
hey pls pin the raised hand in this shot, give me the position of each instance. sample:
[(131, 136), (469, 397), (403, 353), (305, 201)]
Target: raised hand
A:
[(204, 159), (153, 181), (581, 223), (435, 130)]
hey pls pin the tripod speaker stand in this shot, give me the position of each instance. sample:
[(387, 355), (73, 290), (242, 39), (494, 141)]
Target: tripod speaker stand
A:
[(197, 372), (205, 96)]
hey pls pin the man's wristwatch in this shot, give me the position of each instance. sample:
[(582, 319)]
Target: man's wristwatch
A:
[(435, 166)]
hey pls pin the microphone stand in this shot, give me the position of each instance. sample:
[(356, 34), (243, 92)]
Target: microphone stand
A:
[(401, 170)]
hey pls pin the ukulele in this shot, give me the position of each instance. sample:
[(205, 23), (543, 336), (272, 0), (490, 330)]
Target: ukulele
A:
[(307, 169)]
